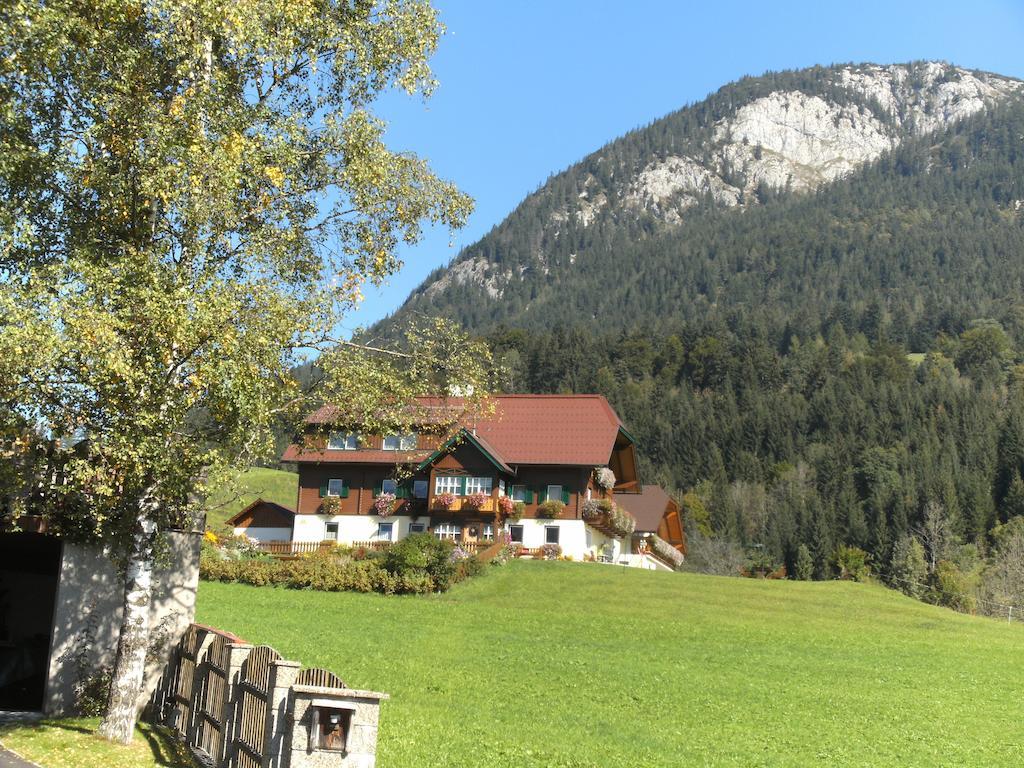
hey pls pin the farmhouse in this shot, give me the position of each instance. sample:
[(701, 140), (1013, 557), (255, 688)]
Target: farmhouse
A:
[(526, 472)]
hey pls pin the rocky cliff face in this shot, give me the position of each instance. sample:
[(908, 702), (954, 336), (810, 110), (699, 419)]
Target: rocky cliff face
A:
[(772, 137)]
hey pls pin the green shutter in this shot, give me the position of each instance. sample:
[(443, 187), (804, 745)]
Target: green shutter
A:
[(565, 495), (542, 495), (323, 490), (462, 486), (402, 491), (527, 496), (344, 489), (378, 489)]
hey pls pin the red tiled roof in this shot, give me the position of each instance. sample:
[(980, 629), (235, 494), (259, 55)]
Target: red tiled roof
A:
[(575, 430), (296, 453), (648, 506)]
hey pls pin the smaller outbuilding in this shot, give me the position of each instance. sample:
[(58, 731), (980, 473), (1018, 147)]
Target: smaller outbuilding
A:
[(656, 512), (264, 521)]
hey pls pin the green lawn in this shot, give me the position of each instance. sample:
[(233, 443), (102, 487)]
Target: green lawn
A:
[(74, 744), (573, 664), (255, 483)]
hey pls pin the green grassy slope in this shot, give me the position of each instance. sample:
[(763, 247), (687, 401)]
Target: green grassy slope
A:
[(571, 664), (255, 483)]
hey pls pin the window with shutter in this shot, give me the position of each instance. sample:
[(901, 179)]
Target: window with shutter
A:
[(335, 487), (565, 495), (323, 490)]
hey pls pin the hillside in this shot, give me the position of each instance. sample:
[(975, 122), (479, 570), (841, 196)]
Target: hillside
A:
[(255, 483), (711, 211), (562, 664)]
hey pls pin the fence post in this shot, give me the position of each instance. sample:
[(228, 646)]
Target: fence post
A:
[(198, 686), (237, 654), (282, 678)]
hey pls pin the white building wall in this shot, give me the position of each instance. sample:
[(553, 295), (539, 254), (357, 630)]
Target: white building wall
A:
[(265, 534), (352, 528), (577, 539)]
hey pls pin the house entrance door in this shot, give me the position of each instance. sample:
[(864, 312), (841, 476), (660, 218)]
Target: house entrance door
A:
[(471, 532)]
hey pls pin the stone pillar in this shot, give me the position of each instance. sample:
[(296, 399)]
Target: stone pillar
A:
[(282, 677), (237, 654), (311, 706)]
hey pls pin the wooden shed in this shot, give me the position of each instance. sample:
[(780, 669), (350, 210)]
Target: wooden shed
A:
[(264, 521)]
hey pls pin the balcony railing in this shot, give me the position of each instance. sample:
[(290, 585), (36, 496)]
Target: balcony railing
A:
[(461, 504)]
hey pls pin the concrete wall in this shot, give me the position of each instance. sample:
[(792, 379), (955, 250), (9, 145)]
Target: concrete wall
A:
[(89, 598)]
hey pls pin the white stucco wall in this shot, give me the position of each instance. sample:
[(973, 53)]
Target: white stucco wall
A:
[(352, 528), (265, 534)]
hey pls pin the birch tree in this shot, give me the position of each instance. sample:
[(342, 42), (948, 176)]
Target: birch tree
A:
[(193, 193)]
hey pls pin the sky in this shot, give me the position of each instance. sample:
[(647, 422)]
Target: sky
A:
[(527, 88)]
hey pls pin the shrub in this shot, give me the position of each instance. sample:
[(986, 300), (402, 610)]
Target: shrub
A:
[(550, 509), (506, 553), (852, 563), (909, 568), (421, 553), (518, 509), (550, 551), (951, 589)]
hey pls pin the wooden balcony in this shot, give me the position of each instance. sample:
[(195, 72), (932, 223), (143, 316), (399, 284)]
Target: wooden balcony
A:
[(462, 505)]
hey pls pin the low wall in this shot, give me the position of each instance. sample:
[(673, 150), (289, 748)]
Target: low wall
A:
[(87, 612)]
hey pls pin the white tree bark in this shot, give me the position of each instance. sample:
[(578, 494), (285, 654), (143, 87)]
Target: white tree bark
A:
[(130, 664)]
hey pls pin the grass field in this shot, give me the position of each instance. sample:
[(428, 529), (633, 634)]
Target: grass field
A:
[(258, 482), (572, 664), (74, 744)]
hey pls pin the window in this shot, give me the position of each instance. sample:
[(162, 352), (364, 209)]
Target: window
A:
[(335, 487), (479, 485), (331, 532), (554, 494), (384, 531), (419, 489), (451, 531), (488, 532), (343, 441), (518, 493), (417, 527), (447, 484), (515, 534), (406, 442), (551, 534), (389, 486)]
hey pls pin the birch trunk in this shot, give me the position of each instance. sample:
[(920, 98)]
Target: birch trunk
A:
[(130, 665)]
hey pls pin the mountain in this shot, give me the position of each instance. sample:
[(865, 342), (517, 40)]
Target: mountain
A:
[(805, 296), (694, 215)]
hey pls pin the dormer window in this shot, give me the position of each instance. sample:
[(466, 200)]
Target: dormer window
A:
[(342, 441), (406, 442)]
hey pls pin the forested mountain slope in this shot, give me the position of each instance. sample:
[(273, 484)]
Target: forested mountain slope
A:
[(744, 280)]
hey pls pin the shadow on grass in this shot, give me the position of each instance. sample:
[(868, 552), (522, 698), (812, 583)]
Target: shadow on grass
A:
[(167, 747)]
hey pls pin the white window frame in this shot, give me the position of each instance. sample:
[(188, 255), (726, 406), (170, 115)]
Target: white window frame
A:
[(342, 441), (558, 534), (420, 488), (522, 533), (393, 439), (390, 526), (327, 531), (557, 496), (483, 485), (417, 527), (334, 486), (452, 531), (487, 532), (519, 493), (447, 484), (388, 485)]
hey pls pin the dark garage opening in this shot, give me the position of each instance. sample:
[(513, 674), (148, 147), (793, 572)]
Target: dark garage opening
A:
[(29, 568)]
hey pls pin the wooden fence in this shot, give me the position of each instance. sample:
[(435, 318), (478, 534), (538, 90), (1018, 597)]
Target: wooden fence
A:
[(218, 693)]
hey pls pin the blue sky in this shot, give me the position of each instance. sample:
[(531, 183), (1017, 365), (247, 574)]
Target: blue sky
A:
[(527, 87)]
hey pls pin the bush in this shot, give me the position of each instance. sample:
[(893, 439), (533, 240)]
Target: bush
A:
[(909, 569), (950, 588), (550, 509), (506, 553), (804, 564), (518, 509), (550, 551), (852, 563), (421, 554)]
